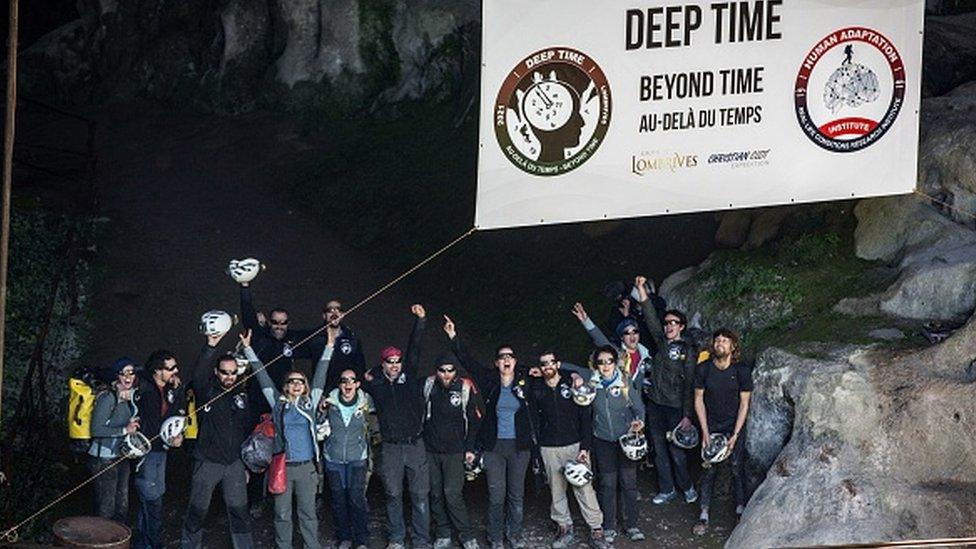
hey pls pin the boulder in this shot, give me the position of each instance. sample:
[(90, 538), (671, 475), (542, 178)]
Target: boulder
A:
[(873, 446), (766, 225), (888, 227), (674, 280), (733, 228), (942, 287), (887, 334), (947, 153)]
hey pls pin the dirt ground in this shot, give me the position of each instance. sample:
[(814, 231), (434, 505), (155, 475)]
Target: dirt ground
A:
[(181, 199)]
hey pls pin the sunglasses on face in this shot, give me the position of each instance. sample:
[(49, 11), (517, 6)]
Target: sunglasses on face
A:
[(279, 322), (171, 368), (333, 309), (604, 361), (500, 356), (392, 360), (630, 332), (227, 373), (127, 373), (297, 380), (446, 369), (545, 363), (672, 322), (347, 380)]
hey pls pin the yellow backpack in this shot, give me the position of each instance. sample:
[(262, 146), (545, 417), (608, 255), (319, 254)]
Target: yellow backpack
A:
[(191, 416), (83, 388)]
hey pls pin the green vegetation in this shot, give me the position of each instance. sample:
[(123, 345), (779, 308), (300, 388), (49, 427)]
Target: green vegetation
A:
[(37, 253), (783, 293)]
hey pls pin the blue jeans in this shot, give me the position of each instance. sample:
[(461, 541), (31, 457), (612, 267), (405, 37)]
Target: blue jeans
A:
[(662, 419), (347, 483), (151, 485)]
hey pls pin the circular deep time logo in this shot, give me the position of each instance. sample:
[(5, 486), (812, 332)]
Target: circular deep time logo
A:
[(850, 89), (552, 111)]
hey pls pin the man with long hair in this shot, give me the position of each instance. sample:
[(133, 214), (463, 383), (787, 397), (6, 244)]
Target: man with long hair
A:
[(723, 386)]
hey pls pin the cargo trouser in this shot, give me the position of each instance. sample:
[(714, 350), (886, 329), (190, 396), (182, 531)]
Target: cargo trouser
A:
[(505, 467), (554, 458), (302, 484), (151, 485), (233, 483), (111, 488), (447, 505), (396, 462)]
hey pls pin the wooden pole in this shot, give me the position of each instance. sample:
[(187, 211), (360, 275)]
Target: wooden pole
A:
[(8, 163)]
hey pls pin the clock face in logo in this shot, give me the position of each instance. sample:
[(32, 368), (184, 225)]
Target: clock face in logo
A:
[(548, 105), (552, 111)]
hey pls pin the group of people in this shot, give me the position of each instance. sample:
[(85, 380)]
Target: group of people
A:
[(586, 424)]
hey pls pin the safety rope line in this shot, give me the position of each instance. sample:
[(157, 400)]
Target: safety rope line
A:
[(946, 204), (10, 535), (938, 542)]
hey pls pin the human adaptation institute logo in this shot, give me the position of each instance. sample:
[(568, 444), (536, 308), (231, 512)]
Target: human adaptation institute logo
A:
[(552, 111), (850, 89)]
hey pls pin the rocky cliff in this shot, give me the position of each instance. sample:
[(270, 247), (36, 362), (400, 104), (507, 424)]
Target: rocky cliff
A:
[(337, 56)]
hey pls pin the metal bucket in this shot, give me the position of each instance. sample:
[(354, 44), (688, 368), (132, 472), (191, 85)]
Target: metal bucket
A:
[(91, 532)]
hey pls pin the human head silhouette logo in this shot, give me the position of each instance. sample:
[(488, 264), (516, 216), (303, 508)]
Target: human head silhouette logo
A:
[(552, 112)]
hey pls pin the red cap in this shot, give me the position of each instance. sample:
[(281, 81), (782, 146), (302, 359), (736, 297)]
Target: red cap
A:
[(390, 351)]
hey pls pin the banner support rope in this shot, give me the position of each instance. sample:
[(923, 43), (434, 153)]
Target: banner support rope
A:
[(10, 535)]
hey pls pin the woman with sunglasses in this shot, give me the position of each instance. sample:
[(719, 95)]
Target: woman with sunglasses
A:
[(346, 450), (507, 436), (114, 416), (293, 412), (617, 410)]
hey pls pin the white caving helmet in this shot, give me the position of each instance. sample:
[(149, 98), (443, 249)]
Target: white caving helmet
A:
[(473, 469), (577, 473), (584, 394), (683, 438), (244, 270), (634, 446), (215, 322), (134, 445), (171, 428), (716, 450)]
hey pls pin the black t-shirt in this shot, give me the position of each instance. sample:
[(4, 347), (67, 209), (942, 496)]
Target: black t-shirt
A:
[(722, 388)]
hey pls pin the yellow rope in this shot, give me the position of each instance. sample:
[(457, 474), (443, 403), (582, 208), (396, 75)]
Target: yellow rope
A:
[(946, 204), (10, 535)]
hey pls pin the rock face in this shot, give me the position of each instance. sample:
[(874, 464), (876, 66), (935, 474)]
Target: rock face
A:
[(234, 55), (949, 50), (861, 446)]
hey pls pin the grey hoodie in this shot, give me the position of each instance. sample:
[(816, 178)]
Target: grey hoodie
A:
[(348, 442), (616, 406)]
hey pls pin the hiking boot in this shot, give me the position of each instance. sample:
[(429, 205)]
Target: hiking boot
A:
[(701, 527), (609, 536), (471, 544), (664, 497), (442, 543), (422, 545), (597, 541), (497, 545), (396, 545), (635, 534), (564, 537), (691, 496), (343, 545), (516, 542)]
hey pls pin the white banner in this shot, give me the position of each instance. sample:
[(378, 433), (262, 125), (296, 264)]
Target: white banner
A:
[(609, 109)]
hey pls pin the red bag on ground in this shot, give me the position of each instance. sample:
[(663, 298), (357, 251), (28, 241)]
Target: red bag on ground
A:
[(277, 474)]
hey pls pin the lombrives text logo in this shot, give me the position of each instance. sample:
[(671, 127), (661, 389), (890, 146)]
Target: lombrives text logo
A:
[(850, 89), (552, 111), (654, 161)]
